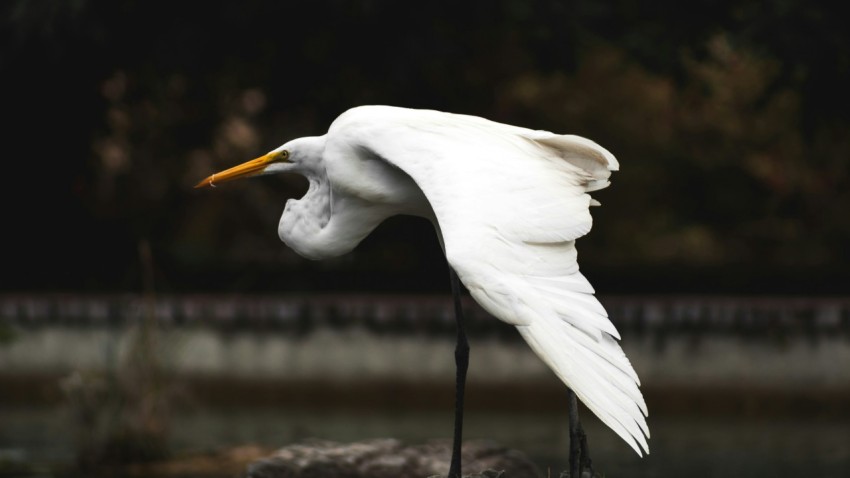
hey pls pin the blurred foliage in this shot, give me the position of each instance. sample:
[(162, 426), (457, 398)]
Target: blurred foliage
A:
[(729, 120), (122, 415)]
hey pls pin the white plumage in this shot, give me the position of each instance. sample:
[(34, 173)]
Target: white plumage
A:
[(508, 204)]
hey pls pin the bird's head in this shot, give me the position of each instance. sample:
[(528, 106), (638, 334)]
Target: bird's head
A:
[(295, 156)]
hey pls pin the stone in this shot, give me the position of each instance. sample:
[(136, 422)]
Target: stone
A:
[(390, 458)]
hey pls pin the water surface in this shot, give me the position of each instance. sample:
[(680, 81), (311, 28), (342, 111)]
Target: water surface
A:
[(688, 446)]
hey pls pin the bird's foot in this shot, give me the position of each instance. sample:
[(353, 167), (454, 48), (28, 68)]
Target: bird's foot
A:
[(483, 474), (585, 473)]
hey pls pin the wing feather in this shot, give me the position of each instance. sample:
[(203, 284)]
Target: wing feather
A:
[(509, 204)]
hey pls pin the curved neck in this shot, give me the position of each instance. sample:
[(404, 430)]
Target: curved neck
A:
[(351, 192)]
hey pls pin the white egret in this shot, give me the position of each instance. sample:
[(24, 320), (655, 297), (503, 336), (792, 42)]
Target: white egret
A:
[(507, 203)]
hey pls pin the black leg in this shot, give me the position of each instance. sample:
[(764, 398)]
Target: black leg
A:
[(579, 452), (462, 363), (574, 440), (585, 463)]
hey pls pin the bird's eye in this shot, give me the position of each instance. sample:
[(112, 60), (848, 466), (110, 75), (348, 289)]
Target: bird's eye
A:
[(283, 156)]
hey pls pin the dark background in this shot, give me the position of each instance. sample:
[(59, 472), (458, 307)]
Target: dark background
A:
[(729, 120)]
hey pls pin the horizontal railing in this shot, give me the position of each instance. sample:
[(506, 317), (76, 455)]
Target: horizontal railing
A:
[(434, 313)]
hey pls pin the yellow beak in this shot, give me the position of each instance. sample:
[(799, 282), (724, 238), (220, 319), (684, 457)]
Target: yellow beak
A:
[(244, 170)]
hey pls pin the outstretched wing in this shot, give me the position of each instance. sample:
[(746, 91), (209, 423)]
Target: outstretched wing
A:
[(509, 204)]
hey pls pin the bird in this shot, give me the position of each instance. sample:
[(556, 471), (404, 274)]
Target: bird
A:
[(507, 204)]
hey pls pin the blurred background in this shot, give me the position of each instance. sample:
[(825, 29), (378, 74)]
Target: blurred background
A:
[(142, 319)]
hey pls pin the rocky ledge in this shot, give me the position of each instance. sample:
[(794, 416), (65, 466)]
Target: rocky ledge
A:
[(390, 458)]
